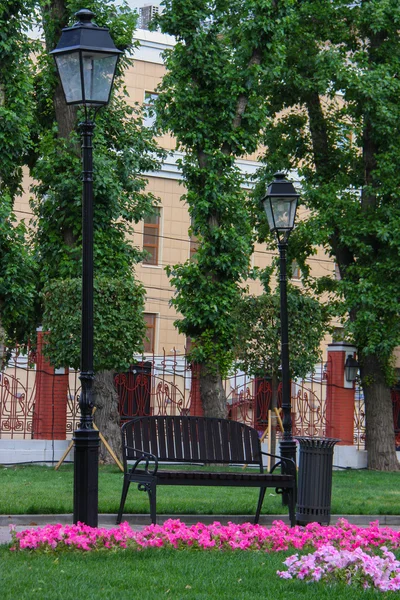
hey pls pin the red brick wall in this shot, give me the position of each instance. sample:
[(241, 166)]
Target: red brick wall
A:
[(50, 412), (196, 407), (340, 399)]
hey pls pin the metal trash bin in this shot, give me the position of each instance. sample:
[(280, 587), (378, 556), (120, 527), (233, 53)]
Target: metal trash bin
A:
[(314, 486)]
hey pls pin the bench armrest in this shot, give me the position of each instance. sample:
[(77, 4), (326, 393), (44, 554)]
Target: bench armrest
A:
[(291, 465), (143, 457)]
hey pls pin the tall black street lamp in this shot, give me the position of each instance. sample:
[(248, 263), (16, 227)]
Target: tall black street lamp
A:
[(280, 204), (86, 60)]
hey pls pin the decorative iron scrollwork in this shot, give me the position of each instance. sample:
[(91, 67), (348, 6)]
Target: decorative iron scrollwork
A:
[(144, 487)]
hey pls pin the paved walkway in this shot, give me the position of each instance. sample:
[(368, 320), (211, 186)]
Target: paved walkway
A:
[(137, 522)]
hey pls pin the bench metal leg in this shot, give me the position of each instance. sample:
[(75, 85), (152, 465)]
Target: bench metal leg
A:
[(260, 503), (125, 489), (292, 507), (152, 491)]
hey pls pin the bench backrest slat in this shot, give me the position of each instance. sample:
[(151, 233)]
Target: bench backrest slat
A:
[(247, 444), (186, 441), (193, 439), (162, 446), (153, 437), (199, 439), (178, 438), (194, 449), (217, 437), (169, 428), (226, 454), (255, 446)]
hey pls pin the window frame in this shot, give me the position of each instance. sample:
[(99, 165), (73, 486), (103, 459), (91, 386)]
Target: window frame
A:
[(152, 230), (149, 341), (295, 271), (149, 110)]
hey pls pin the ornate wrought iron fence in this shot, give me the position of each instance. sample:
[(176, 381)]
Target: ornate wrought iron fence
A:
[(17, 395), (73, 412), (164, 385)]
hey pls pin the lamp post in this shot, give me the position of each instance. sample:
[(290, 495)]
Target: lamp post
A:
[(86, 60), (280, 204)]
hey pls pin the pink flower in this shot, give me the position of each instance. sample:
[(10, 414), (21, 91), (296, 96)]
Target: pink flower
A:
[(329, 563)]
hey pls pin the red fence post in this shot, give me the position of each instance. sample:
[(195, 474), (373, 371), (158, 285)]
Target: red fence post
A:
[(50, 412), (340, 395), (196, 407)]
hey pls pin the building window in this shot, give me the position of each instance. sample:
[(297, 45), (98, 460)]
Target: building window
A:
[(296, 273), (149, 112), (149, 341), (345, 136), (147, 14), (151, 237)]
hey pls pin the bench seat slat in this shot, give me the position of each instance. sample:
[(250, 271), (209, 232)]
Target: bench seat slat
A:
[(256, 477)]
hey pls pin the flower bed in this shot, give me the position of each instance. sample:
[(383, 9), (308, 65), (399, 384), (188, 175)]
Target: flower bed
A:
[(356, 555), (174, 533)]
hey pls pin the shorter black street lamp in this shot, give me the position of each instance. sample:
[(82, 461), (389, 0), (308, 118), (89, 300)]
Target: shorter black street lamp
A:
[(280, 204), (86, 59), (351, 367)]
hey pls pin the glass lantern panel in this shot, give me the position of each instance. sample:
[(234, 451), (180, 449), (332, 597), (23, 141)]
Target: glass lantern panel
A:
[(68, 66), (268, 212), (98, 75), (284, 211)]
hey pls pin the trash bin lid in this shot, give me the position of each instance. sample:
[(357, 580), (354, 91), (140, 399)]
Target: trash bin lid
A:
[(316, 442)]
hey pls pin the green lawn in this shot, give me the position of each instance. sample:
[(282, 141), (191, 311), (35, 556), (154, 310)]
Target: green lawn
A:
[(35, 490), (153, 574)]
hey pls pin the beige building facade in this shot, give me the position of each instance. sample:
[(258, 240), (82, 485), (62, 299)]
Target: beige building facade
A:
[(170, 233), (165, 235)]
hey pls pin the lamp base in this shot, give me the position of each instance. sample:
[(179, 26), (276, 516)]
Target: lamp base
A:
[(288, 449), (86, 476)]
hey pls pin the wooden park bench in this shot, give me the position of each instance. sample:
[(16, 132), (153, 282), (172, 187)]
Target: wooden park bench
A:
[(149, 441)]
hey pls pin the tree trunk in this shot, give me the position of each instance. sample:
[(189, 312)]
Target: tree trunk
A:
[(106, 416), (212, 393), (380, 442)]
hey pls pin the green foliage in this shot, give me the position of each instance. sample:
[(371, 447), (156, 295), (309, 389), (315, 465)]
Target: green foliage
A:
[(17, 278), (346, 149), (258, 349), (122, 150), (213, 100), (15, 92), (354, 492), (17, 269), (119, 326), (38, 131)]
